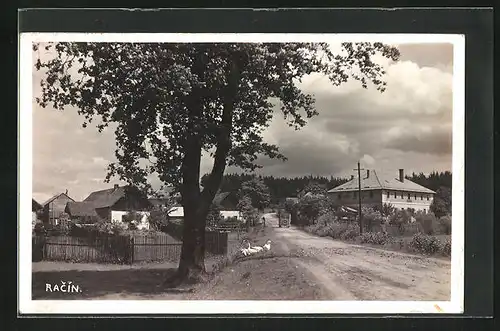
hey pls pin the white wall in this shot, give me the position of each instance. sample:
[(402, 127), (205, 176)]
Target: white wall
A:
[(231, 213), (420, 203), (117, 215)]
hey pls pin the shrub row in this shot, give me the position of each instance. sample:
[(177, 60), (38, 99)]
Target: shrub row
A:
[(420, 243)]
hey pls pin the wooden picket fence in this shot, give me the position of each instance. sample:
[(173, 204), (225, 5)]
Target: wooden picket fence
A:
[(106, 249)]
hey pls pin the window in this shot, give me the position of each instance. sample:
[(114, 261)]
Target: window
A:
[(415, 196), (395, 194), (427, 197), (421, 197), (425, 211), (371, 194), (388, 194), (409, 196), (402, 195)]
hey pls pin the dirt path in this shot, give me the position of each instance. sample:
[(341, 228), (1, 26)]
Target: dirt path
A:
[(354, 272)]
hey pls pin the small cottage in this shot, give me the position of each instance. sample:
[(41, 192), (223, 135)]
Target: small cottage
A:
[(54, 207)]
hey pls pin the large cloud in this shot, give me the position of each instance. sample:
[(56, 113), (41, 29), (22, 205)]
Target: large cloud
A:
[(408, 126)]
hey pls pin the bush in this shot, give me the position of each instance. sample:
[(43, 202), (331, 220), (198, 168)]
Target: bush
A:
[(400, 218), (425, 244), (445, 224), (350, 232), (322, 231), (375, 238), (371, 217), (446, 248), (327, 218), (429, 223)]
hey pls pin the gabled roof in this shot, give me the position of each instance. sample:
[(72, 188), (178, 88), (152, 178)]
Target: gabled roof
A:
[(106, 198), (96, 200), (79, 209), (55, 197), (378, 181)]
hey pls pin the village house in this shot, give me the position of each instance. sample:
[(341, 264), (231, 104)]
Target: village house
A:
[(54, 207), (109, 204), (379, 188)]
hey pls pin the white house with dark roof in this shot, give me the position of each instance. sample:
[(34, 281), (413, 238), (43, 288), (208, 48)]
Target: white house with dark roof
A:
[(379, 188)]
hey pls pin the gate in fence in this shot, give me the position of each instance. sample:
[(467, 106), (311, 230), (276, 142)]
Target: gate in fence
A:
[(284, 220)]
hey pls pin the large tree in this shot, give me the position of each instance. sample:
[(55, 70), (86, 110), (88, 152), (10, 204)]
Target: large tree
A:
[(172, 101)]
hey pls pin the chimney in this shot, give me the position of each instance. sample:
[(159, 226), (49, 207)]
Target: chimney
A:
[(352, 177), (401, 175), (368, 173), (66, 192), (116, 186)]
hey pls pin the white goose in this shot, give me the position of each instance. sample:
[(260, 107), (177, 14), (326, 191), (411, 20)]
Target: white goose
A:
[(267, 246), (244, 249)]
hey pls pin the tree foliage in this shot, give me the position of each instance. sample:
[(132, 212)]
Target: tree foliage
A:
[(249, 213), (441, 205), (257, 191), (149, 91)]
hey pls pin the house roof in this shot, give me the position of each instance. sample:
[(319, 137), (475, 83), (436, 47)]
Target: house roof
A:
[(378, 180), (97, 199), (79, 209), (176, 212), (106, 198), (55, 197), (35, 205)]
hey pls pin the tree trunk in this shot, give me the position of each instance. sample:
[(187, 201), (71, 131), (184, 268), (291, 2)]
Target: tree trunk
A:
[(197, 204), (192, 263)]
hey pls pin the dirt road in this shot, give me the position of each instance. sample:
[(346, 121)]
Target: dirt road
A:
[(353, 272)]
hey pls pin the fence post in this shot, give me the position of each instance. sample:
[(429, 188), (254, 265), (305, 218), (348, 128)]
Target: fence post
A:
[(44, 247), (131, 248)]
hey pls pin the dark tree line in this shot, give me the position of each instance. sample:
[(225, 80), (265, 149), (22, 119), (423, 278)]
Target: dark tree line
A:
[(433, 181), (279, 187)]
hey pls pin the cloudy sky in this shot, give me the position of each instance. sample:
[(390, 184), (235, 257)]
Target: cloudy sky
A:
[(409, 126)]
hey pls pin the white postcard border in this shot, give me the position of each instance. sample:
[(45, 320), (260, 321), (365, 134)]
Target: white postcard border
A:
[(28, 306)]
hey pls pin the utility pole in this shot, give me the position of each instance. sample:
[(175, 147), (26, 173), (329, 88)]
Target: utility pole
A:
[(359, 199)]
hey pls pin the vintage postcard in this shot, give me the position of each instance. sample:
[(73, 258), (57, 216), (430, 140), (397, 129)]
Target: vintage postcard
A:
[(241, 173)]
